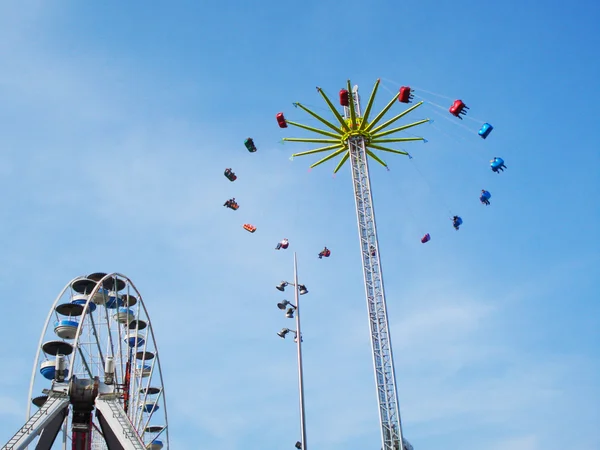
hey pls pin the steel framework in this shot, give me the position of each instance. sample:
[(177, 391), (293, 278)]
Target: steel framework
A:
[(99, 352), (355, 138)]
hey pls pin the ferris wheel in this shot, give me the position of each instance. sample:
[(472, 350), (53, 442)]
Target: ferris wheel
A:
[(97, 351)]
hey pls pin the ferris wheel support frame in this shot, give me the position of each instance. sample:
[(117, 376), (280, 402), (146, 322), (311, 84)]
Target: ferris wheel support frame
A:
[(47, 421), (355, 139)]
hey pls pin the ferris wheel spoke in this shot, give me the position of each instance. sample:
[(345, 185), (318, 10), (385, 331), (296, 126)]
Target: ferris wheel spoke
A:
[(85, 364), (111, 347), (98, 430), (137, 404), (95, 333), (119, 346), (92, 332), (135, 380), (159, 433), (142, 404), (151, 412)]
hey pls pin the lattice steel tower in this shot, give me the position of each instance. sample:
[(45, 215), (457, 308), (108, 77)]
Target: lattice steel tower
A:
[(355, 138)]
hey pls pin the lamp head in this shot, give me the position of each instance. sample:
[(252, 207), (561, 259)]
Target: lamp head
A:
[(289, 313), (281, 286), (302, 289), (283, 333), (283, 304)]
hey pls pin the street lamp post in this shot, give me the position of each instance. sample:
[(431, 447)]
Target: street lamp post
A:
[(299, 289), (299, 347)]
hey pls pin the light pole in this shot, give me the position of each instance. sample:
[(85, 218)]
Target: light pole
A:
[(299, 289)]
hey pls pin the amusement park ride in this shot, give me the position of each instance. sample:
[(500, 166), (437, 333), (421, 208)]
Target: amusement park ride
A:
[(354, 137), (99, 354)]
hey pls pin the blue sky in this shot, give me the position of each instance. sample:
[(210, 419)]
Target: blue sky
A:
[(117, 121)]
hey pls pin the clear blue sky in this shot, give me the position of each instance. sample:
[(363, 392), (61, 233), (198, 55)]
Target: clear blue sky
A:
[(118, 118)]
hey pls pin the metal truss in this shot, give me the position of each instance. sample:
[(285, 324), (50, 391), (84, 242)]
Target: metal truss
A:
[(385, 379), (356, 137), (46, 421), (117, 429)]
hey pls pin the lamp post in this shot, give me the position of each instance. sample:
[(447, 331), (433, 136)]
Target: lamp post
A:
[(299, 289)]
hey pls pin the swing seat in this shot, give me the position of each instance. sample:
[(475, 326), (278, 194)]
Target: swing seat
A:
[(458, 108), (281, 120), (344, 99), (496, 163), (405, 95), (249, 143), (485, 130)]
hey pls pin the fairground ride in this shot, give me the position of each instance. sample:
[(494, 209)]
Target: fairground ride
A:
[(354, 137), (97, 352)]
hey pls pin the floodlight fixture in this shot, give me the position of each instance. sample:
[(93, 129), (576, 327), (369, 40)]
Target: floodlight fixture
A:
[(282, 305), (282, 334)]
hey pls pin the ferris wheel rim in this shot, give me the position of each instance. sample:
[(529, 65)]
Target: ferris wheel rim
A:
[(142, 425)]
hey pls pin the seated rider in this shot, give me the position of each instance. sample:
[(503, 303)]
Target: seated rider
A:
[(372, 250), (282, 244), (325, 252), (485, 197), (229, 174), (497, 164), (456, 222)]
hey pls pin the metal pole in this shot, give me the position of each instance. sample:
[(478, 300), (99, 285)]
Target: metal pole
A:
[(299, 345)]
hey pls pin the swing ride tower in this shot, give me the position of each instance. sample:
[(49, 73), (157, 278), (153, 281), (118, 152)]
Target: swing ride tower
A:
[(355, 138)]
